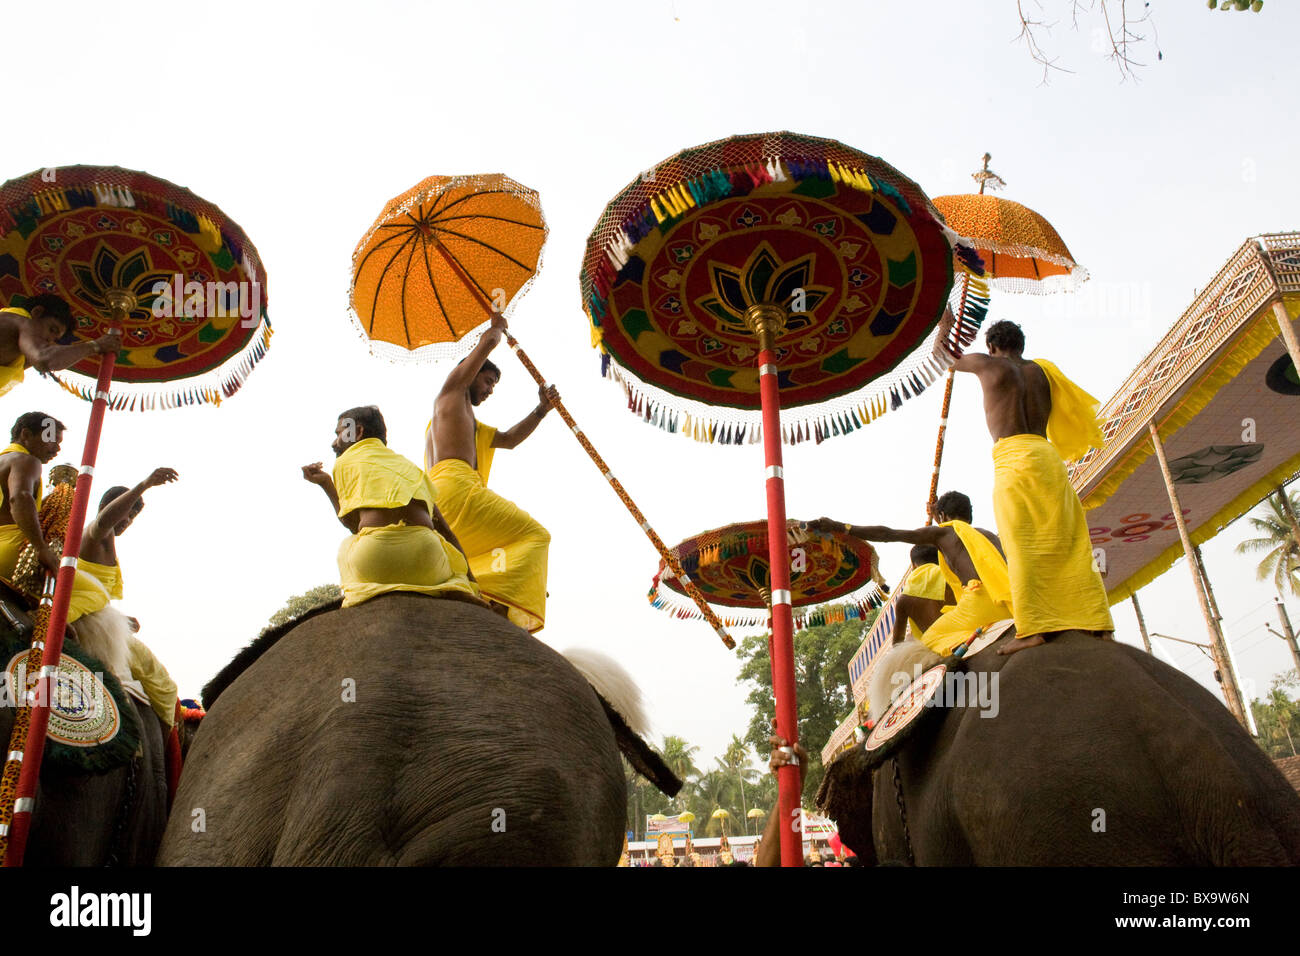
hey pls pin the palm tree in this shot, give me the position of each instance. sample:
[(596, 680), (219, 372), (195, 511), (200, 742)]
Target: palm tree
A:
[(735, 760), (679, 756), (1279, 541)]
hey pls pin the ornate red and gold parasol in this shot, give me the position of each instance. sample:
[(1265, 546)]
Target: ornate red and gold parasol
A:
[(833, 577), (187, 289), (439, 262), (763, 269)]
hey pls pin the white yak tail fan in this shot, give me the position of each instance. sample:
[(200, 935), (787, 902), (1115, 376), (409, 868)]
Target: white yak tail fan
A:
[(897, 668), (613, 683), (106, 634)]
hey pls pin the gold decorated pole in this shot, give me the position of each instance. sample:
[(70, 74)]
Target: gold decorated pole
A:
[(1223, 664)]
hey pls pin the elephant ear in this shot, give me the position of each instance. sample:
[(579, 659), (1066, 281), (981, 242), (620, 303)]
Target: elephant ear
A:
[(845, 797)]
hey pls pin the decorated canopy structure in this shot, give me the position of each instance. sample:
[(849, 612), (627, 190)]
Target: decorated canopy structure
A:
[(833, 577), (1205, 427), (1224, 396)]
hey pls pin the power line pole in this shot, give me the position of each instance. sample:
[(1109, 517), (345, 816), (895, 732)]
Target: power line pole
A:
[(1288, 634)]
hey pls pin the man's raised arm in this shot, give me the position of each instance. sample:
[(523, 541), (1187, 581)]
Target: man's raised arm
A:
[(515, 434), (53, 358), (315, 473), (464, 373)]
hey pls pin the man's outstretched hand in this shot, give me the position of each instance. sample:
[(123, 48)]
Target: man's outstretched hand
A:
[(160, 476), (316, 474), (547, 396), (825, 525)]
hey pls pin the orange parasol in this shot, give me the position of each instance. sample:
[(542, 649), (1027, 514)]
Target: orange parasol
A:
[(1020, 249), (441, 259)]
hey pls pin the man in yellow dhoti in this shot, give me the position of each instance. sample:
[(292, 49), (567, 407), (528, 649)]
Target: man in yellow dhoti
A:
[(400, 541), (971, 563), (35, 440), (507, 548), (1039, 419), (29, 337), (925, 594), (111, 638)]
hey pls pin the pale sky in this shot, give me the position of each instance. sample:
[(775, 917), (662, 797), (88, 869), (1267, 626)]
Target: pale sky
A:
[(301, 120)]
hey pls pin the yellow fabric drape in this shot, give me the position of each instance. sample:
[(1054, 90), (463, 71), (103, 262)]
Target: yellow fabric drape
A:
[(1072, 426), (974, 609), (12, 374), (507, 548), (371, 475), (400, 557), (153, 677), (108, 576), (990, 565), (1054, 586), (926, 581), (483, 450)]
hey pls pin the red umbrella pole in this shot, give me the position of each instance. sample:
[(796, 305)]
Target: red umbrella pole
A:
[(35, 748), (766, 321)]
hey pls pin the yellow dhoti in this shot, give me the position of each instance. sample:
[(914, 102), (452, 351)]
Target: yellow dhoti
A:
[(506, 546), (1054, 585), (400, 557), (11, 375), (927, 582), (974, 609), (88, 595)]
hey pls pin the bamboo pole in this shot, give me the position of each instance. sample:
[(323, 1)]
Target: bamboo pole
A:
[(1142, 624), (1231, 692), (947, 399)]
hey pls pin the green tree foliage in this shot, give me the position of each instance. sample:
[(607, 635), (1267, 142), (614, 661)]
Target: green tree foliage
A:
[(1278, 717), (1277, 542), (821, 665), (300, 604)]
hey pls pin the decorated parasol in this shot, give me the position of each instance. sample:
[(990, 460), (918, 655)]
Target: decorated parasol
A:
[(182, 282), (438, 263), (833, 577), (1021, 252), (763, 270)]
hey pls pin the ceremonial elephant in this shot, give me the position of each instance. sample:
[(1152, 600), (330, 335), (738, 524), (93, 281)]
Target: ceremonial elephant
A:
[(1094, 753), (109, 817), (406, 730)]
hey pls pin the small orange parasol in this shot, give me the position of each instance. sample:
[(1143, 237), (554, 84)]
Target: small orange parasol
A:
[(441, 259), (1021, 250)]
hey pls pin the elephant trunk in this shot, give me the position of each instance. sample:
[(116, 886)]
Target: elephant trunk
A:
[(845, 796)]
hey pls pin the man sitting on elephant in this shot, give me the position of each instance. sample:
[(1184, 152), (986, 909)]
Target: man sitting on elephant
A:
[(110, 635), (506, 546), (925, 594), (1039, 419), (399, 538), (29, 337), (969, 558)]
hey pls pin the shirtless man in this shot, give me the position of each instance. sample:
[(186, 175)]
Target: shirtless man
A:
[(29, 338), (925, 593), (978, 579), (1039, 419), (36, 438), (507, 548)]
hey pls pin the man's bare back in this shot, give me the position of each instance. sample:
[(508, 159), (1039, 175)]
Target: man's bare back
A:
[(27, 476), (1017, 396)]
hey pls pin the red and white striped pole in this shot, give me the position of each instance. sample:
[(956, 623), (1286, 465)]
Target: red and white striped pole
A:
[(35, 747), (766, 321)]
